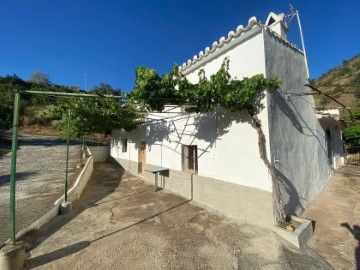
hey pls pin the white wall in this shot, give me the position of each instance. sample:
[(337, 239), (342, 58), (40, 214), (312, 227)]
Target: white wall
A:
[(297, 141), (246, 59), (226, 141)]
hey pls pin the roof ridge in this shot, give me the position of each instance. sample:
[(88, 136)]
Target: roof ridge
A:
[(231, 35)]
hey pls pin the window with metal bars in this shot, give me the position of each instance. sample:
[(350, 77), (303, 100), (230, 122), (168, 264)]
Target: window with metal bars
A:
[(124, 145), (189, 158)]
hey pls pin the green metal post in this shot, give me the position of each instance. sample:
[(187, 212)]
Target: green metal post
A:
[(81, 151), (13, 165), (67, 156)]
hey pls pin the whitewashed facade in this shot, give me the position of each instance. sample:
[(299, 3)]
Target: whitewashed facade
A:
[(230, 176)]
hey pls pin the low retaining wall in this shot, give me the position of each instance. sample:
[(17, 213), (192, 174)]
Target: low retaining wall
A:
[(244, 204), (80, 183), (73, 194), (100, 153)]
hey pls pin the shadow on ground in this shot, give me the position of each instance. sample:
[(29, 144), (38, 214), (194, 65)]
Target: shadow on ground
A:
[(355, 231), (336, 212)]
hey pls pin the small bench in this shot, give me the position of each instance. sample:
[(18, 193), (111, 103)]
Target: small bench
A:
[(158, 171)]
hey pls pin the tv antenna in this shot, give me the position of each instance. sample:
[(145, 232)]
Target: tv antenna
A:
[(289, 18)]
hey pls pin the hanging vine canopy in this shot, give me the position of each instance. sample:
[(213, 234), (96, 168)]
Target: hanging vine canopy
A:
[(154, 91)]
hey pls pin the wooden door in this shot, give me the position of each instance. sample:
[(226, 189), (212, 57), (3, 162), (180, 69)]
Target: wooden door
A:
[(142, 157)]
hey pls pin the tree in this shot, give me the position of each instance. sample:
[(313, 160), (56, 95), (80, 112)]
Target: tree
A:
[(8, 85), (97, 115), (105, 89), (39, 78)]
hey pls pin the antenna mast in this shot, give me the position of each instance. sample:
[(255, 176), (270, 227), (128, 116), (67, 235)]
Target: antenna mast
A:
[(290, 18)]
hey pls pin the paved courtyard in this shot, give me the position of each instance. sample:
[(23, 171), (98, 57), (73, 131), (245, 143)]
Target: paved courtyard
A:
[(121, 223)]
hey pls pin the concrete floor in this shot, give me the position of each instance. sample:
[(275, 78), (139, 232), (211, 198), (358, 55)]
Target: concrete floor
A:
[(337, 215), (121, 223)]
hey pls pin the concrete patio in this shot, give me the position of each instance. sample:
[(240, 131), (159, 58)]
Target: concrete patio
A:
[(121, 223), (337, 215)]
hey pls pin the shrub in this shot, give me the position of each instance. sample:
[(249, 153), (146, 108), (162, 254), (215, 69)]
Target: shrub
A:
[(352, 134)]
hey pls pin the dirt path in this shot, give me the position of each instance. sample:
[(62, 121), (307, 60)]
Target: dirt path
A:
[(40, 177)]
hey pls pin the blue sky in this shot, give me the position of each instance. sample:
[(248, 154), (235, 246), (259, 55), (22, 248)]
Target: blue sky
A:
[(107, 39)]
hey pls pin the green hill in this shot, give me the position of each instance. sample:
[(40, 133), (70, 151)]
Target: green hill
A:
[(343, 82), (31, 105)]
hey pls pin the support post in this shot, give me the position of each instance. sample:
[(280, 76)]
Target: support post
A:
[(13, 165), (81, 150), (78, 166), (156, 180), (67, 156)]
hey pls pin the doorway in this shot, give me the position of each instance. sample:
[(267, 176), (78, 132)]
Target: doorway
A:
[(329, 146), (142, 157)]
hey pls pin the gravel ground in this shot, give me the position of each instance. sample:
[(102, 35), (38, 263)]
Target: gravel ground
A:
[(39, 179), (121, 223)]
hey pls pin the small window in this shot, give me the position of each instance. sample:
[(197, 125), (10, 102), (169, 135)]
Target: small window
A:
[(124, 145), (189, 158)]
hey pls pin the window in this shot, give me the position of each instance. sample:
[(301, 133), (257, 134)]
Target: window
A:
[(189, 158), (124, 145)]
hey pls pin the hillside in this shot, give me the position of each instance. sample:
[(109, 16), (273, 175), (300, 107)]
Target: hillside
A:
[(49, 114), (31, 105), (343, 82)]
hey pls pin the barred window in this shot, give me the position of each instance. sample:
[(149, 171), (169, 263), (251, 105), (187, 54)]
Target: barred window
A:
[(189, 158), (124, 145)]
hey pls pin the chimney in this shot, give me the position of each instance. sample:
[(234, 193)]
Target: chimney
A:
[(276, 22)]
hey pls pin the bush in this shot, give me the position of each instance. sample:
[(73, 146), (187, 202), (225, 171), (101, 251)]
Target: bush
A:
[(352, 134), (356, 79)]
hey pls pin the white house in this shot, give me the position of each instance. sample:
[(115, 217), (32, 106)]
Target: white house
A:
[(213, 158)]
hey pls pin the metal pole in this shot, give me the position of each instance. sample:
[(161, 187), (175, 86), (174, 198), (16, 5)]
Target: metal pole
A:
[(81, 150), (70, 94), (67, 155), (13, 165), (303, 45)]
